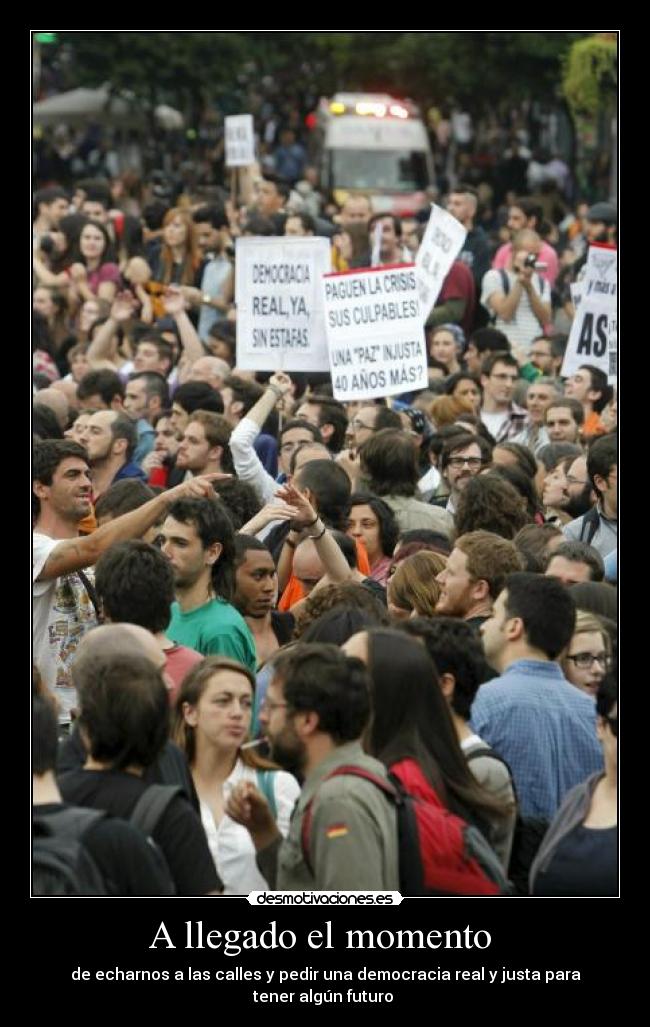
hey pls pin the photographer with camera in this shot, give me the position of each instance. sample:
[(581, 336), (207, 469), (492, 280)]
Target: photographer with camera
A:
[(518, 298)]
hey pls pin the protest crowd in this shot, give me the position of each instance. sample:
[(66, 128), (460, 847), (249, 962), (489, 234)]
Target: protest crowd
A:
[(281, 602)]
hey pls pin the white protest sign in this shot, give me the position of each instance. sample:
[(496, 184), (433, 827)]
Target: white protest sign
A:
[(375, 258), (442, 242), (597, 304), (280, 323), (374, 332), (612, 349), (240, 140)]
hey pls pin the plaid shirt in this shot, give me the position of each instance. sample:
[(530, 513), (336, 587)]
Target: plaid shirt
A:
[(543, 727), (513, 424)]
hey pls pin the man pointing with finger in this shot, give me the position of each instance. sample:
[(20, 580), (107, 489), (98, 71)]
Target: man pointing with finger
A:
[(62, 596)]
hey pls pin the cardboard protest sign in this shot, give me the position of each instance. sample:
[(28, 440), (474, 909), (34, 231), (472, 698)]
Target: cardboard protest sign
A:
[(442, 242), (240, 140), (279, 300), (598, 294), (374, 332)]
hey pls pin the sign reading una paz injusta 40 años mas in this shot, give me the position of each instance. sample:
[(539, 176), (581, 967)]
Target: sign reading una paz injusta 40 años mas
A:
[(240, 140), (280, 324), (374, 332), (592, 331), (441, 244)]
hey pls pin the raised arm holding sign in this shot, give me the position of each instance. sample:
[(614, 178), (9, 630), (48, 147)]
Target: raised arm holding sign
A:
[(442, 242), (374, 332), (598, 298), (279, 303), (240, 140)]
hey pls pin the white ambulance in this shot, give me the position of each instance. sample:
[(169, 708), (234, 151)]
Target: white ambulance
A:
[(372, 143)]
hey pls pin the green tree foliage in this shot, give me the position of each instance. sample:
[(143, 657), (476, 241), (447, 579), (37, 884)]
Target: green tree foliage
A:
[(590, 76), (186, 68)]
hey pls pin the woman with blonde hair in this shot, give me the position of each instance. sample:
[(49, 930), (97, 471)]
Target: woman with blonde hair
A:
[(589, 655), (412, 590), (212, 722)]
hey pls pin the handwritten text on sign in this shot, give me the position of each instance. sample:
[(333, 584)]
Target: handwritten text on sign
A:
[(588, 338), (374, 332), (240, 140), (280, 304), (442, 242)]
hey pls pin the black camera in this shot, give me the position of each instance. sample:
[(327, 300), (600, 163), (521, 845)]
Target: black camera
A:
[(531, 260)]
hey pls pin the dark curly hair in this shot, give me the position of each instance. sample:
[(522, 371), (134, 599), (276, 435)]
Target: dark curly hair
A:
[(349, 594), (490, 503)]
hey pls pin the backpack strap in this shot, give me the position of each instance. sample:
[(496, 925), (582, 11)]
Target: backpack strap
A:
[(590, 522), (486, 750), (70, 822), (92, 594), (350, 770), (505, 281), (266, 784), (151, 806)]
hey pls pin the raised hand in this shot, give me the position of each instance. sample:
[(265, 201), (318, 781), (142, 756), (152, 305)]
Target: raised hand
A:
[(200, 487), (122, 308), (294, 497), (174, 301), (78, 272), (281, 380), (152, 460)]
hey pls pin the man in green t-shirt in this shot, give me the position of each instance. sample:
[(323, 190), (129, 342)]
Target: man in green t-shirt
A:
[(199, 544)]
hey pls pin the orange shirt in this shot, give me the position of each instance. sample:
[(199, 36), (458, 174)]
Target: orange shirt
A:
[(88, 524), (294, 591), (593, 425)]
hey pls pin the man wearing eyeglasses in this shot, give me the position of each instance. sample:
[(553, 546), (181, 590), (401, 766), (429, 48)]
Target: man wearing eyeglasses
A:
[(372, 418), (501, 416), (462, 458), (599, 526), (343, 832)]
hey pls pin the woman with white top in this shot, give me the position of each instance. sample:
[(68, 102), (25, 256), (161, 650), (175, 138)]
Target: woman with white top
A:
[(212, 721)]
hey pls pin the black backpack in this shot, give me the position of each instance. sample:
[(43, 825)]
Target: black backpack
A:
[(61, 862), (527, 837), (148, 811)]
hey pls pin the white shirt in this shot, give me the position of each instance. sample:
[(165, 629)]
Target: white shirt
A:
[(62, 613), (231, 845), (429, 482), (493, 422), (42, 600), (250, 468), (524, 326)]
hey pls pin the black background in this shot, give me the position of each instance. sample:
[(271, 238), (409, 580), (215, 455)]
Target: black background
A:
[(534, 934)]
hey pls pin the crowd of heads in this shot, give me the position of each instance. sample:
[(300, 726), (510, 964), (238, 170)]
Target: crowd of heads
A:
[(464, 526)]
